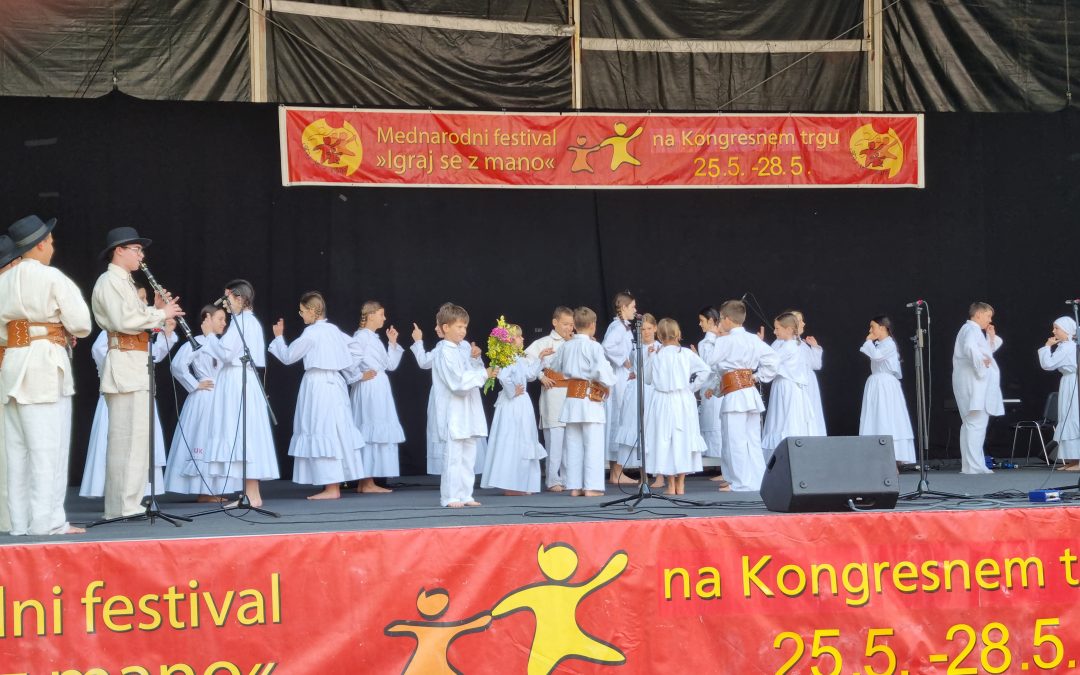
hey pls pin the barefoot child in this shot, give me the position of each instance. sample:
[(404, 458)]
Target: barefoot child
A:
[(325, 441), (884, 410), (790, 412), (583, 361), (618, 347), (459, 414), (373, 406), (672, 435)]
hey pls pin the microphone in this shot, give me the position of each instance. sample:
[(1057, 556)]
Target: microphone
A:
[(222, 302), (1075, 301), (918, 303), (743, 298)]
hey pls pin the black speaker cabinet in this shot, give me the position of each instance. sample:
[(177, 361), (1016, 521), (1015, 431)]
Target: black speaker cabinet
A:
[(821, 473)]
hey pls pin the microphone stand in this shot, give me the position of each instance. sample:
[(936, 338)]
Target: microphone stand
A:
[(152, 510), (243, 501), (922, 415), (643, 491), (1076, 346)]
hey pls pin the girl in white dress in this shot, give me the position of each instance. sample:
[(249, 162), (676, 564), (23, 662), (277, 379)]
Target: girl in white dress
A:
[(813, 354), (884, 410), (93, 480), (373, 406), (628, 431), (514, 449), (709, 407), (325, 442), (618, 348), (1059, 353), (789, 411), (672, 435), (225, 450), (196, 371)]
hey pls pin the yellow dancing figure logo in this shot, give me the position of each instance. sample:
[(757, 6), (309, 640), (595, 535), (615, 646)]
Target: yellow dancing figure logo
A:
[(877, 151), (620, 149), (554, 603), (335, 148)]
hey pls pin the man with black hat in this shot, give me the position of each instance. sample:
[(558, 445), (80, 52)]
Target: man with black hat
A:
[(8, 259), (41, 312), (124, 380)]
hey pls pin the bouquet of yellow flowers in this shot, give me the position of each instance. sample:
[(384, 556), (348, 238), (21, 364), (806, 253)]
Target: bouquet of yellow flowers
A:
[(501, 350)]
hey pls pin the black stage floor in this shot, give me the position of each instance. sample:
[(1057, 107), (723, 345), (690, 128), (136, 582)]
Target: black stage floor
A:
[(414, 504)]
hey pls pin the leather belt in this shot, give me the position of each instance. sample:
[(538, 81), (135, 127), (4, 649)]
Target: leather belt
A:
[(734, 380), (594, 391), (19, 333), (2, 350), (558, 379), (139, 342)]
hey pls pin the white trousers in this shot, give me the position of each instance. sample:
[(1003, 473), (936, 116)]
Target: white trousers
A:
[(745, 465), (5, 514), (38, 440), (127, 459), (458, 474), (972, 437), (555, 444), (584, 443)]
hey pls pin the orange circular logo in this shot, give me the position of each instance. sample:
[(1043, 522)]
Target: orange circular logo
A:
[(335, 148), (877, 151)]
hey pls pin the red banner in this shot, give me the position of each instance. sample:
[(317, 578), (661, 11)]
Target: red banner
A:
[(893, 593), (323, 146)]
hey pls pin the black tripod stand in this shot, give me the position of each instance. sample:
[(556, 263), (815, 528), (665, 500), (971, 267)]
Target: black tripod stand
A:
[(152, 510), (922, 413), (644, 491)]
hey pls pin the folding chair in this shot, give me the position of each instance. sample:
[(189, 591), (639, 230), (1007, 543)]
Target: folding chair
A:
[(1048, 421)]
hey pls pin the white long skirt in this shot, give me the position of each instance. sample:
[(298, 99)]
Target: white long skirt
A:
[(1067, 432), (885, 413), (514, 452), (93, 479), (816, 409), (711, 426), (325, 443), (673, 440), (376, 416), (225, 448), (187, 471), (789, 414), (613, 407)]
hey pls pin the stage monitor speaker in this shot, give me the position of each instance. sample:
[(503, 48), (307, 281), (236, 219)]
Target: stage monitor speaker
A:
[(822, 473)]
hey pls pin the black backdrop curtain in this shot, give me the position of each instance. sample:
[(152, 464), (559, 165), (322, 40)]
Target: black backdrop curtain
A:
[(996, 222)]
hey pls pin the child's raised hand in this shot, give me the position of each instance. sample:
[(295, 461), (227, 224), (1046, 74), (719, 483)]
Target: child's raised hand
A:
[(761, 332), (279, 328), (391, 335), (417, 334), (546, 353), (811, 340), (475, 352)]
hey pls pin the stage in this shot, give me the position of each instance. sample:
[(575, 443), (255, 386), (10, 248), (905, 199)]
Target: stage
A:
[(415, 504)]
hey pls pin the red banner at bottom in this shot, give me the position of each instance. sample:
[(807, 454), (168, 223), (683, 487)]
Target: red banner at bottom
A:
[(943, 592)]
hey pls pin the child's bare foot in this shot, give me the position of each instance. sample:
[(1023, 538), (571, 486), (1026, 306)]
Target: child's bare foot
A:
[(514, 493), (724, 488), (594, 493), (575, 493), (71, 529), (368, 485), (670, 490), (658, 482), (680, 490), (472, 503), (455, 505), (329, 492), (718, 478), (621, 479), (209, 499), (556, 488)]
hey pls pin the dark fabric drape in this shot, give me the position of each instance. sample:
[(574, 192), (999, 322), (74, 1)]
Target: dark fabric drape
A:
[(182, 49), (996, 222), (390, 65), (988, 56)]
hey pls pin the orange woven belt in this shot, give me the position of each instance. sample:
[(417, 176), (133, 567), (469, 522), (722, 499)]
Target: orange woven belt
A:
[(734, 380), (594, 391), (558, 379), (139, 342), (19, 333)]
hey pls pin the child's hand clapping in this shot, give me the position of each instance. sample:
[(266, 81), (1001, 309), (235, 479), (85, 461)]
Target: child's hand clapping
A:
[(279, 328)]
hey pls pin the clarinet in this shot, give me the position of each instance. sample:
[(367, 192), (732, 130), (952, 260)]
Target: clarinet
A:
[(165, 296)]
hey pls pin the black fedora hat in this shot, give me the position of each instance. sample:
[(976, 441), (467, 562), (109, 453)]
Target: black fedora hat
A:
[(121, 236), (7, 250), (27, 232)]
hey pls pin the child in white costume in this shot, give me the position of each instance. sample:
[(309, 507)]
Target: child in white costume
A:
[(585, 363), (514, 450), (814, 356), (618, 347), (629, 436), (459, 414), (741, 359), (373, 406), (196, 371), (552, 396), (884, 410), (225, 450), (325, 442), (976, 384), (709, 408), (93, 479), (1059, 353), (789, 401), (672, 435)]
